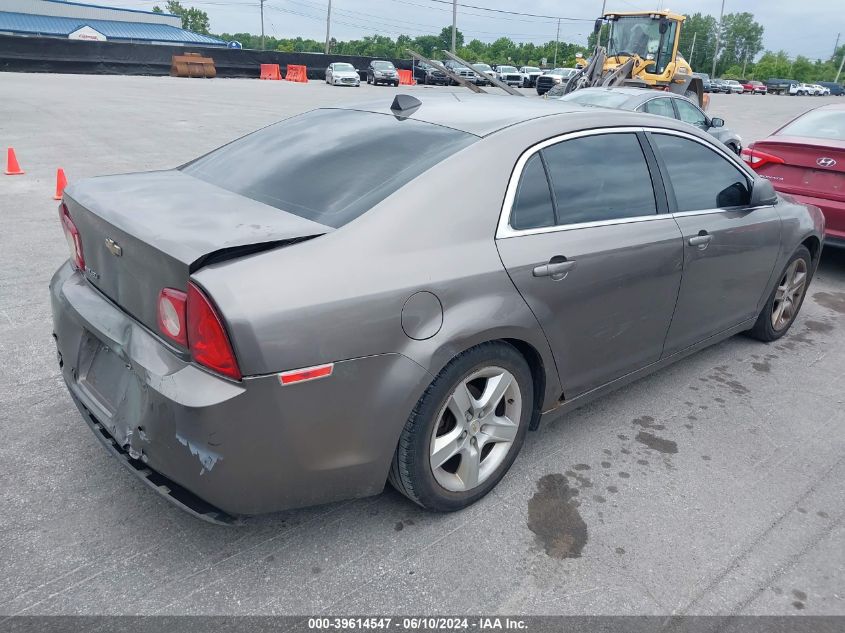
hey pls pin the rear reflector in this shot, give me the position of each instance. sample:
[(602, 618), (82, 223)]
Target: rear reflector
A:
[(207, 338), (171, 315), (74, 241), (756, 158), (303, 375)]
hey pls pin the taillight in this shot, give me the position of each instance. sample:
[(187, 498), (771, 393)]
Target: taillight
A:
[(172, 320), (74, 241), (756, 158), (192, 321), (207, 337)]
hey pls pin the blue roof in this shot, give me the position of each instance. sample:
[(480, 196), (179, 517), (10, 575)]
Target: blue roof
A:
[(112, 29)]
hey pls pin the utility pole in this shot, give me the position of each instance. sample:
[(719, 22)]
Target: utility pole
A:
[(328, 27), (839, 72), (744, 62), (692, 48), (836, 46), (262, 23), (598, 35), (718, 33), (557, 40), (454, 24)]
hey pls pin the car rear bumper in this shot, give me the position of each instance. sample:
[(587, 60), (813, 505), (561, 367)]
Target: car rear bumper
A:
[(241, 448), (834, 215)]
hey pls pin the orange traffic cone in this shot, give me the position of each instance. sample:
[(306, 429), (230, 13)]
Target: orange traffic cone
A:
[(61, 183), (12, 166)]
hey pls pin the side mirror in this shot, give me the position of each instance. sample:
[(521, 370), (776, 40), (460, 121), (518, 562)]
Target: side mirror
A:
[(598, 25), (664, 25), (762, 193), (717, 122)]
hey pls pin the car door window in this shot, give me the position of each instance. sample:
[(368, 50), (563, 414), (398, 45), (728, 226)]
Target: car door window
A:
[(660, 107), (533, 207), (690, 114), (586, 190), (687, 162)]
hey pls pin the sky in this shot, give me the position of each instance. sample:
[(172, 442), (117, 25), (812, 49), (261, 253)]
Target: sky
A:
[(801, 27)]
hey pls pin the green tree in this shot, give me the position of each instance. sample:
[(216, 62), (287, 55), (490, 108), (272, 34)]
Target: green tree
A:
[(802, 69), (444, 40), (593, 37), (193, 19), (701, 29), (741, 41)]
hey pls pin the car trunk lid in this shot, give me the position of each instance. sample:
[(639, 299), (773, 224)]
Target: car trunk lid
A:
[(812, 167), (144, 232)]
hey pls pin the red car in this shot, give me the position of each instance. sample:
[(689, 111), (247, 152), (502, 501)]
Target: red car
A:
[(806, 159), (754, 87)]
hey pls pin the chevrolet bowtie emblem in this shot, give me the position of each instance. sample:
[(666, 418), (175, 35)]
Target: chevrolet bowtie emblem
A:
[(114, 248)]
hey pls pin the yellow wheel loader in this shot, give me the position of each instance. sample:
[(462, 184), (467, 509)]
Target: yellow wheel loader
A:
[(641, 51)]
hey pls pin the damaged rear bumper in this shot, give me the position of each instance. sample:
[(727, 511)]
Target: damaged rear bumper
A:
[(218, 448)]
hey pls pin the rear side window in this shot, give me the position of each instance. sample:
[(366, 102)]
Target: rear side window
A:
[(328, 166), (587, 189), (532, 206), (660, 107), (701, 178)]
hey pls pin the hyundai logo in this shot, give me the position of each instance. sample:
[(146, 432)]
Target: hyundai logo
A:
[(826, 162)]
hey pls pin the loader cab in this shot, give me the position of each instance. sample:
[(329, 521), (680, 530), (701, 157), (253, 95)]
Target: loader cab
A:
[(653, 37)]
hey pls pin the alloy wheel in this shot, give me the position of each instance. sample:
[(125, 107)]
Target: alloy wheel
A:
[(790, 292), (475, 429)]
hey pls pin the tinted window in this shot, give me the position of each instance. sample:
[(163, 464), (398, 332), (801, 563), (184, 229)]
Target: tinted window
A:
[(701, 178), (690, 114), (660, 107), (818, 124), (587, 190), (532, 207), (329, 166)]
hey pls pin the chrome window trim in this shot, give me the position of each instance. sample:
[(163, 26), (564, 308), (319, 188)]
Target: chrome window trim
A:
[(504, 229)]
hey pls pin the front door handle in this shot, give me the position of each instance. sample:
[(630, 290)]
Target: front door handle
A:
[(557, 268), (702, 240)]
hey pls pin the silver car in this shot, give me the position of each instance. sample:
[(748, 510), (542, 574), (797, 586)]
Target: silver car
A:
[(245, 339), (665, 104), (342, 74)]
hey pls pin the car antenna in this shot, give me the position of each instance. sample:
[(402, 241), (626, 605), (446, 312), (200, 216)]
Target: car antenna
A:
[(404, 106)]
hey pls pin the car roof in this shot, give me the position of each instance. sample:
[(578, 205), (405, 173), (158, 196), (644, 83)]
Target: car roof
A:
[(477, 114)]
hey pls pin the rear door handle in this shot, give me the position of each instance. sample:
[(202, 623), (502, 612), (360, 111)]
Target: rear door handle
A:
[(702, 240), (557, 268)]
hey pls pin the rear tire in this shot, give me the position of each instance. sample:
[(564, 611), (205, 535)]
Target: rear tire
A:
[(477, 410), (781, 310)]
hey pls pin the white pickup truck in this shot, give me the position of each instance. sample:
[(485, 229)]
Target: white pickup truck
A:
[(529, 75)]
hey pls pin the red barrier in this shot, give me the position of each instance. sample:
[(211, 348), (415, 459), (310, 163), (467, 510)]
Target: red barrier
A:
[(406, 78), (298, 74), (271, 72)]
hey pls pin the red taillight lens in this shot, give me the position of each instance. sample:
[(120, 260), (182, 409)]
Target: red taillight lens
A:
[(74, 241), (207, 337), (172, 320), (303, 375), (756, 158)]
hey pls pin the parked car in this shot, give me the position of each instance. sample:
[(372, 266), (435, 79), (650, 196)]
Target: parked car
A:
[(342, 74), (382, 72), (529, 76), (821, 91), (665, 104), (754, 87), (733, 86), (462, 71), (835, 88), (801, 90), (705, 81), (212, 349), (509, 75), (428, 75), (552, 78), (806, 159), (718, 85), (487, 70)]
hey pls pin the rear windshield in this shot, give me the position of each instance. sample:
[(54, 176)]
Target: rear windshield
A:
[(606, 99), (828, 124), (328, 166)]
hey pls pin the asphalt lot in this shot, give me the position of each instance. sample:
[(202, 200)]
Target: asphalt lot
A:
[(745, 518)]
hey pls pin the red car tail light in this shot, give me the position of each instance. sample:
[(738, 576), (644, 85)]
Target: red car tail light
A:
[(757, 159), (207, 338), (74, 241), (172, 309)]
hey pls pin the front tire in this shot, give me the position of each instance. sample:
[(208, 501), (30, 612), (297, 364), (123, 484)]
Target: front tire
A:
[(466, 430), (786, 299)]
